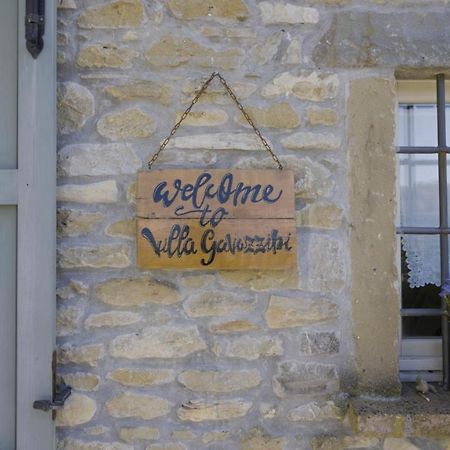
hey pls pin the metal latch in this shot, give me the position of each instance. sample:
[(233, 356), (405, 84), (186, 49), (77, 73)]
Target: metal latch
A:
[(61, 392), (35, 26)]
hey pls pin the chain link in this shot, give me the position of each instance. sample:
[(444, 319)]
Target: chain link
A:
[(195, 100)]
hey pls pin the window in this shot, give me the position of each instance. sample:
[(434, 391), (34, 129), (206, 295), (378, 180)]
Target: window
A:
[(423, 227)]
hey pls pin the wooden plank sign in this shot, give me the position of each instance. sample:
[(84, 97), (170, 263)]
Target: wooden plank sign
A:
[(216, 219)]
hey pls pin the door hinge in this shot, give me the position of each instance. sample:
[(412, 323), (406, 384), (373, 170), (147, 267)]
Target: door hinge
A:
[(35, 26), (61, 392)]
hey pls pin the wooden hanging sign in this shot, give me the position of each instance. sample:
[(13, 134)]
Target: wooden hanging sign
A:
[(216, 219)]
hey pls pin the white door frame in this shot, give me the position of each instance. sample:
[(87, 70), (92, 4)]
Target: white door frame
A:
[(36, 231)]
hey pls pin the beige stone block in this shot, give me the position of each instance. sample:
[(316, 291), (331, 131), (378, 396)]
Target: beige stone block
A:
[(266, 51), (321, 116), (196, 9), (431, 425), (216, 303), (287, 13), (173, 51), (131, 193), (85, 354), (75, 106), (215, 436), (141, 377), (233, 326), (137, 405), (112, 319), (197, 281), (293, 52), (82, 381), (115, 256), (122, 228), (258, 439), (107, 55), (128, 124), (285, 312), (399, 444), (250, 348), (78, 409), (280, 115), (116, 14), (72, 289), (315, 412), (75, 444), (68, 319), (67, 4), (72, 222), (158, 342), (131, 435), (141, 90), (260, 280), (100, 192), (324, 215), (344, 443), (168, 446), (311, 141), (205, 118), (219, 382), (183, 435), (129, 292), (199, 411)]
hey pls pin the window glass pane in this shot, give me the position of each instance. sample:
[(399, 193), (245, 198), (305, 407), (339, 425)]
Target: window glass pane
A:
[(419, 190), (421, 326), (417, 126)]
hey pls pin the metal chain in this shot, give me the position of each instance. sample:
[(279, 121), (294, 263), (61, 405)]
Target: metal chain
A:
[(195, 100)]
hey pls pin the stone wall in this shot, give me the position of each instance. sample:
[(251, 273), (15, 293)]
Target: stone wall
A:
[(226, 360)]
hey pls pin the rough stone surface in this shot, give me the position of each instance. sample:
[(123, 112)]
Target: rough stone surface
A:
[(75, 444), (141, 377), (130, 292), (122, 228), (131, 435), (97, 160), (215, 436), (100, 192), (219, 382), (105, 56), (233, 326), (206, 118), (250, 348), (311, 141), (194, 9), (112, 319), (72, 222), (284, 312), (158, 342), (116, 14), (260, 280), (82, 381), (141, 90), (318, 343), (323, 214), (86, 354), (276, 12), (75, 106), (128, 124), (78, 409), (295, 378), (399, 444), (280, 115), (115, 256), (133, 405), (216, 303), (343, 443), (198, 411), (315, 411), (67, 320), (258, 439), (321, 116)]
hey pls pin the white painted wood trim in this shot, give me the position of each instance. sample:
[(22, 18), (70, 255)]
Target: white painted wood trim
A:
[(8, 187), (36, 246)]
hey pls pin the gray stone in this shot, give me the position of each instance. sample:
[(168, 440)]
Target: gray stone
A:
[(198, 411), (76, 444), (315, 411), (319, 343)]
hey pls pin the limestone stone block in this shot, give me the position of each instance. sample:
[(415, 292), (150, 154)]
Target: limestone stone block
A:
[(97, 159), (112, 319), (205, 118), (311, 141), (174, 51), (297, 378), (315, 411), (140, 90), (123, 125), (96, 430), (259, 439), (82, 381), (139, 406), (72, 289), (280, 115), (84, 354), (216, 303), (116, 14), (293, 52), (266, 51), (287, 13), (260, 280), (318, 343), (182, 435), (232, 326), (114, 256), (286, 312), (158, 342), (107, 55), (199, 411), (100, 192), (344, 443), (196, 9), (78, 409), (315, 86), (168, 446), (431, 425), (250, 348), (141, 377), (197, 281), (128, 292), (75, 444), (399, 444), (68, 319), (122, 228), (321, 116), (217, 141), (75, 106), (131, 435), (72, 222), (320, 214), (215, 436), (218, 381)]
